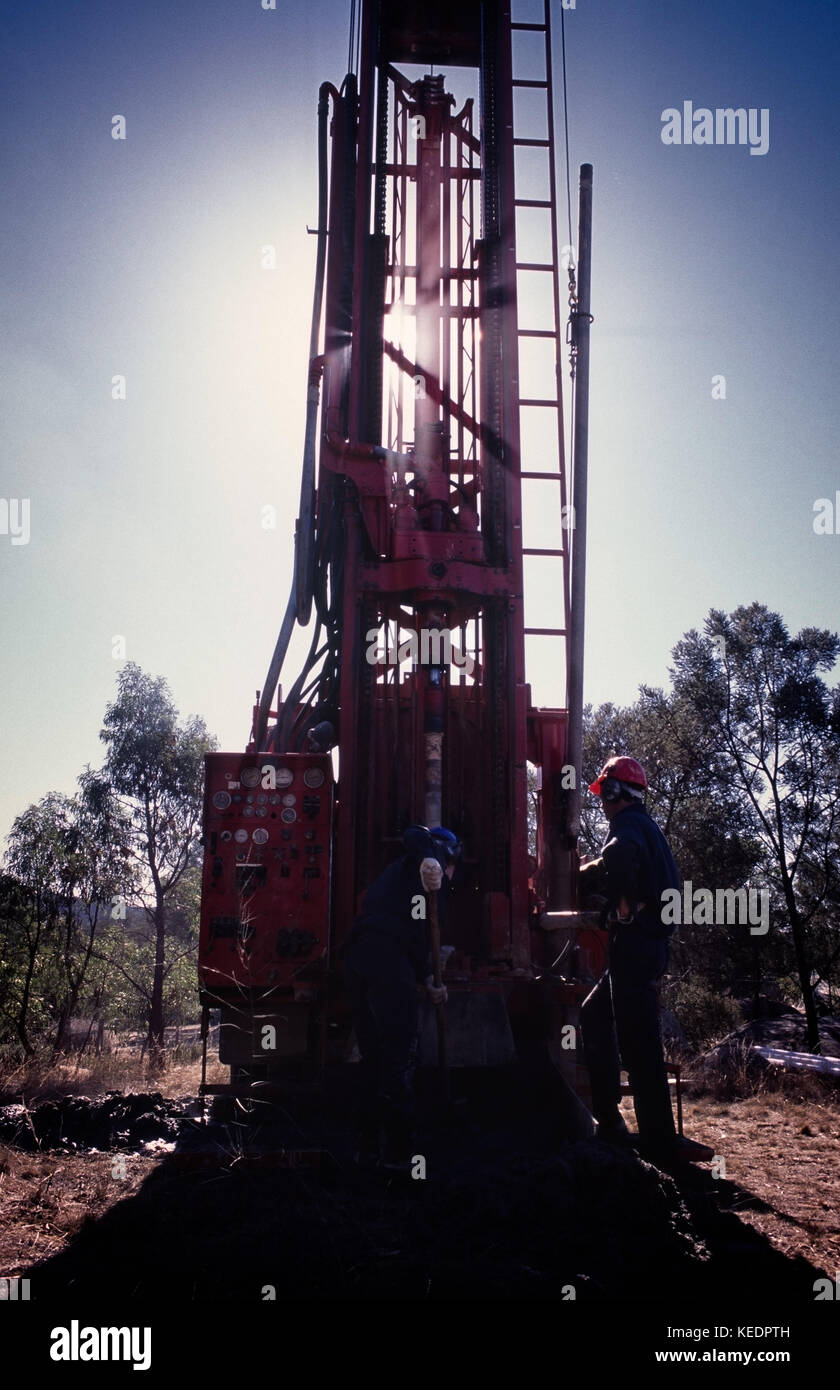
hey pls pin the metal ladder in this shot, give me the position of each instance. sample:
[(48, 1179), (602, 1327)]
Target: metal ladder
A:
[(551, 268)]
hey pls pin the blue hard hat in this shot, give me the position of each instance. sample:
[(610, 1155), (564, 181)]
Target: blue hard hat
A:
[(447, 839)]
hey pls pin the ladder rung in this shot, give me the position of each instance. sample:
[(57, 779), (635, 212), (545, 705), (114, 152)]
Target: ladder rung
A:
[(529, 550), (532, 202), (545, 632), (532, 401), (528, 82), (534, 265), (538, 144), (536, 332), (553, 477), (532, 27)]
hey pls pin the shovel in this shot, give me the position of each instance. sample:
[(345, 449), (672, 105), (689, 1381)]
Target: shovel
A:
[(440, 1017)]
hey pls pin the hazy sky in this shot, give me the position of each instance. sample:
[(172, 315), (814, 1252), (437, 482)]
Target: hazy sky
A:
[(142, 257)]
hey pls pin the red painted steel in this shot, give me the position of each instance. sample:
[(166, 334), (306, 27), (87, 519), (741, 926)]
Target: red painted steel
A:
[(419, 514), (266, 873)]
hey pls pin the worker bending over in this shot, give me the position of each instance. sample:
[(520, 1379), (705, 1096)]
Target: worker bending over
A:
[(387, 966), (621, 1015)]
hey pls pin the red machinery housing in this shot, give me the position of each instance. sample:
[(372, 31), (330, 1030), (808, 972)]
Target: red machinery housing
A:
[(409, 543)]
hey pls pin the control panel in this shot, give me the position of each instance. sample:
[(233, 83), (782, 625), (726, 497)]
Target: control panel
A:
[(265, 901)]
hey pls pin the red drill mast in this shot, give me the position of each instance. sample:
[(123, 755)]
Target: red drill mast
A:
[(432, 175)]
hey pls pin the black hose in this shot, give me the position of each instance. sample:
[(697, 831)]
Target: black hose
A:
[(300, 596), (306, 518)]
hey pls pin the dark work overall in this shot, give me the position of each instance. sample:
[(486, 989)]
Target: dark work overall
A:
[(621, 1016)]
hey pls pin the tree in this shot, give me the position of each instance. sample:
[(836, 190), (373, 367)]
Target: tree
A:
[(711, 839), (131, 957), (95, 868), (68, 854), (759, 696), (21, 929), (155, 766), (34, 858)]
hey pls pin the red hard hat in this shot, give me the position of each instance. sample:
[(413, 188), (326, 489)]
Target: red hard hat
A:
[(624, 770)]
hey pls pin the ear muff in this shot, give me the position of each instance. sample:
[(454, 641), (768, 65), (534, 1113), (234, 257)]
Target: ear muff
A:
[(613, 790)]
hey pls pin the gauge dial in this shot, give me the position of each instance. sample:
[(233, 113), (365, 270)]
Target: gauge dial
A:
[(250, 777), (221, 800), (314, 777)]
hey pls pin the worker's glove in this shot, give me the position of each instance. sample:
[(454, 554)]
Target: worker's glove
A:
[(437, 994), (431, 875)]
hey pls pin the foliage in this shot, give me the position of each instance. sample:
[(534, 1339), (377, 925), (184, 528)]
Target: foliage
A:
[(155, 766), (705, 1015), (743, 764)]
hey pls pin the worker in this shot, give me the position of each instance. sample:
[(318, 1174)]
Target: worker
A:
[(621, 1014), (388, 968)]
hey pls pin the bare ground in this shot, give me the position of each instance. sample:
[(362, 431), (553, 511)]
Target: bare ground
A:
[(784, 1156), (509, 1210)]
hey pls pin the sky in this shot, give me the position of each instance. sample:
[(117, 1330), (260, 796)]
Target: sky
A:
[(134, 529)]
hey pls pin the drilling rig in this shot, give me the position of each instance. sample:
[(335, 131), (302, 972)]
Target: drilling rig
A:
[(434, 429)]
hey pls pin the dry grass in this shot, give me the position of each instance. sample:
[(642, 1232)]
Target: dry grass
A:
[(742, 1075), (42, 1079), (780, 1143), (781, 1155), (45, 1199)]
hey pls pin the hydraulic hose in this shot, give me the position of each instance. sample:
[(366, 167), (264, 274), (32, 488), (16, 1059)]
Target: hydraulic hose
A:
[(304, 530), (300, 597)]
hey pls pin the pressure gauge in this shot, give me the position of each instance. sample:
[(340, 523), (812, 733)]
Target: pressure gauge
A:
[(288, 815), (221, 800), (250, 777), (289, 799), (285, 777), (260, 836), (240, 836), (314, 777)]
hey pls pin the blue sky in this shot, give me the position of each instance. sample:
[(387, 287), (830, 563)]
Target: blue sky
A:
[(142, 257)]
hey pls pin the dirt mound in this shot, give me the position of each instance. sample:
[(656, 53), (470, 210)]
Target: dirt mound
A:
[(508, 1206), (78, 1123), (585, 1223)]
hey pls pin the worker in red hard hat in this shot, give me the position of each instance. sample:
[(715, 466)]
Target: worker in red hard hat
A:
[(620, 1017), (625, 770)]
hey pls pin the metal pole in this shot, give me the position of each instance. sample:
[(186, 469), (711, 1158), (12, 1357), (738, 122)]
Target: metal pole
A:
[(440, 1016), (580, 447)]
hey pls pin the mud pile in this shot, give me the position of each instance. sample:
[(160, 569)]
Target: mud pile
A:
[(507, 1206), (78, 1123)]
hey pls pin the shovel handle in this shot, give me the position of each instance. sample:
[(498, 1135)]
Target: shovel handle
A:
[(440, 1019)]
